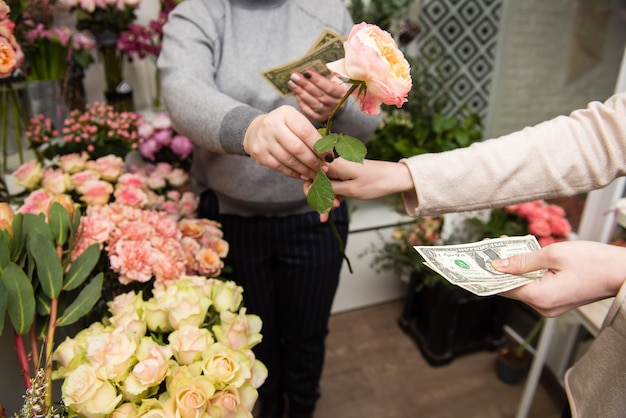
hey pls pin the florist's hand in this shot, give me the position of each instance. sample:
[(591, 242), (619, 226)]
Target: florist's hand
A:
[(579, 272), (317, 96), (283, 140)]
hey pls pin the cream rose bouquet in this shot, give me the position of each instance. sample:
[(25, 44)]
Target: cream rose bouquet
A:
[(379, 73), (185, 352)]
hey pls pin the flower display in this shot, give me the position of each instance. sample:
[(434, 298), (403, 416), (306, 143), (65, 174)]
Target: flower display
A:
[(97, 182), (373, 58), (159, 142), (99, 130), (184, 352), (396, 253), (141, 245), (546, 221)]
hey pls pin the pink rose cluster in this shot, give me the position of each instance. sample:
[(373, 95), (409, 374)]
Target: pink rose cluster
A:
[(11, 55), (185, 352), (546, 221), (145, 244), (159, 142), (97, 182)]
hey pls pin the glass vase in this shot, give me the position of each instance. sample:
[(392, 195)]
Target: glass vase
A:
[(14, 118), (118, 92)]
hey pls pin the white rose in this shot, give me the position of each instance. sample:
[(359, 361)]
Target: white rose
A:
[(88, 395), (189, 342)]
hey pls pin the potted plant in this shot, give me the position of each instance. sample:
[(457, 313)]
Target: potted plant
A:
[(442, 319), (513, 362)]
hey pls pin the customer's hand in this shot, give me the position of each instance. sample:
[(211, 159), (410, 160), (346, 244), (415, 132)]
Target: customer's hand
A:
[(579, 272), (283, 140), (317, 96)]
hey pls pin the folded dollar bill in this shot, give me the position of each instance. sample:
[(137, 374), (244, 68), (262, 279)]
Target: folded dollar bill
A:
[(327, 47), (469, 265)]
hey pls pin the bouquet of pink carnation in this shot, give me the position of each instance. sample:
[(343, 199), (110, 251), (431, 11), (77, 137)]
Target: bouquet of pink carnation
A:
[(159, 142), (97, 182), (99, 130), (142, 245), (185, 352)]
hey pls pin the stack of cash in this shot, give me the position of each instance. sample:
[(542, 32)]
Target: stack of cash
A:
[(469, 265)]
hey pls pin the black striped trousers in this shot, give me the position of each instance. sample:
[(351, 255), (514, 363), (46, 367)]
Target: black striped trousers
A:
[(289, 268)]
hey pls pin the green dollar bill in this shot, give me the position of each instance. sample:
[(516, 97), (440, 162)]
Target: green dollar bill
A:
[(330, 50)]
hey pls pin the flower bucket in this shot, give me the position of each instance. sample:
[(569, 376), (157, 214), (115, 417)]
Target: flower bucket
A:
[(511, 368), (46, 97), (118, 92), (13, 120)]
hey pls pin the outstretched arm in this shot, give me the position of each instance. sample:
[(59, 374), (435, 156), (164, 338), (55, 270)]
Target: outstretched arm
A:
[(579, 272)]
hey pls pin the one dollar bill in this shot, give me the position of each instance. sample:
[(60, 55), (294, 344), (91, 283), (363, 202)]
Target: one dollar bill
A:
[(469, 265), (327, 47)]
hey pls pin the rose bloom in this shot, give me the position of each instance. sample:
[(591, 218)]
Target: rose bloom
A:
[(130, 196), (238, 331), (110, 167), (113, 351), (190, 400), (226, 296), (233, 402), (87, 394), (73, 163), (29, 174), (224, 366), (56, 181), (150, 370), (96, 192), (188, 343), (372, 56)]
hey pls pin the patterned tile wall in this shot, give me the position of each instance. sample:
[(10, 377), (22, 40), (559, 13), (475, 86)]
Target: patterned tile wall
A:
[(458, 38)]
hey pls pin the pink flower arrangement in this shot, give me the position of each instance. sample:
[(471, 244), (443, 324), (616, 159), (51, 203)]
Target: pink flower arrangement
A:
[(159, 142), (98, 130), (545, 220), (97, 182), (144, 244)]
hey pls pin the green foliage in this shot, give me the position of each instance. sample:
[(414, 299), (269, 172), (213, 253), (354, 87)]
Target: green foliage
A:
[(39, 269), (500, 223), (379, 12)]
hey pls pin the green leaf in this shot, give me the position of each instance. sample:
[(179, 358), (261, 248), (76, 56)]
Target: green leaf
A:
[(21, 299), (83, 303), (321, 195), (49, 269), (36, 224), (43, 304), (59, 222), (5, 245), (81, 267), (19, 238), (4, 300), (351, 149), (326, 143)]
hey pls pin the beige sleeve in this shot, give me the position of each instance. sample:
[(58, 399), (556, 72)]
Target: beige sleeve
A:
[(566, 155)]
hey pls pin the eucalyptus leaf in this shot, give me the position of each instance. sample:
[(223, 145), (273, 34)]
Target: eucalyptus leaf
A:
[(49, 269), (351, 149), (21, 298), (43, 304), (59, 223), (4, 300), (83, 303), (321, 195), (36, 224), (19, 238), (5, 245), (81, 267)]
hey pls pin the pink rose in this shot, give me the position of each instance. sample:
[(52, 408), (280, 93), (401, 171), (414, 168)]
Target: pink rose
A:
[(372, 56), (73, 163), (110, 167), (96, 192), (29, 174), (131, 196), (181, 146), (540, 228), (560, 226)]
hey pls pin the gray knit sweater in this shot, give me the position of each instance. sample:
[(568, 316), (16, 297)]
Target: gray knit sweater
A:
[(212, 56)]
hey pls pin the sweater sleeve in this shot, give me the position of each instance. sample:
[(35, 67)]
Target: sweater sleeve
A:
[(563, 156), (187, 65)]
